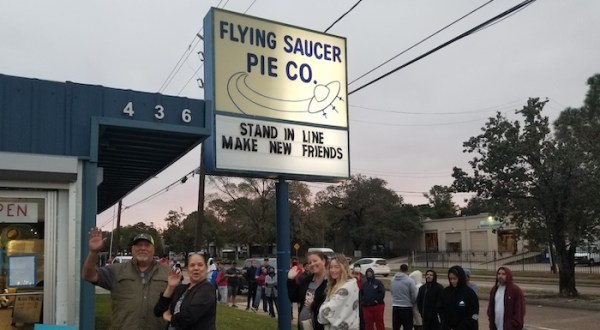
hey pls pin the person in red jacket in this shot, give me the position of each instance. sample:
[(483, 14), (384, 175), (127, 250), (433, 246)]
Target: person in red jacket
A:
[(506, 309), (221, 284)]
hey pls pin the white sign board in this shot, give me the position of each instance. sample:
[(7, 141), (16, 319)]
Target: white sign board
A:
[(489, 224), (289, 81), (291, 148), (21, 271), (18, 212)]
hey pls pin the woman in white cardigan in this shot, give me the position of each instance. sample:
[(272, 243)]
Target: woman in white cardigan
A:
[(341, 306)]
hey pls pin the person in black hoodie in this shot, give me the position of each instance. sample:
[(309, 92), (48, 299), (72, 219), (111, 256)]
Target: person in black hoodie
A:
[(427, 300), (251, 281), (372, 294), (459, 305)]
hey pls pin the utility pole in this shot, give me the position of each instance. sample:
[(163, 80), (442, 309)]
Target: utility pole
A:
[(117, 236), (200, 212)]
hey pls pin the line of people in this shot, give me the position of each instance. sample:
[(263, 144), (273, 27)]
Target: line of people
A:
[(262, 286), (147, 295), (415, 305), (430, 306)]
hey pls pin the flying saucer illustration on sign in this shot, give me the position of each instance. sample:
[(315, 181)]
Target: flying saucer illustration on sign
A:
[(247, 100)]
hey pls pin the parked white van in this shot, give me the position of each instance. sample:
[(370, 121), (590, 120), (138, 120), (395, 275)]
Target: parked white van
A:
[(587, 255), (327, 251)]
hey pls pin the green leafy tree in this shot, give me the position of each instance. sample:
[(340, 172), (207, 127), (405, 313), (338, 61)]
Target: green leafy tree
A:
[(440, 201), (129, 232), (246, 210), (214, 231), (545, 183), (363, 211), (475, 206), (179, 235), (580, 127), (303, 223)]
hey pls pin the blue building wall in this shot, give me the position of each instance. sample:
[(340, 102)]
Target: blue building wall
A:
[(86, 121), (46, 117)]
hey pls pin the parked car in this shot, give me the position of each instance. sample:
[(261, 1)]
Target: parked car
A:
[(587, 255), (379, 266), (121, 259), (327, 251)]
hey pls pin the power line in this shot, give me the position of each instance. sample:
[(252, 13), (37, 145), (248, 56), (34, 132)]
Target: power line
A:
[(252, 4), (486, 109), (180, 62), (418, 125), (340, 18), (110, 219), (189, 80), (555, 101), (451, 41), (107, 222), (499, 21), (404, 172), (180, 181), (184, 57), (202, 64), (400, 175), (220, 4), (420, 42)]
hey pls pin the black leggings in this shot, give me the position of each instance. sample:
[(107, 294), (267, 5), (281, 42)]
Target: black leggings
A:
[(251, 295)]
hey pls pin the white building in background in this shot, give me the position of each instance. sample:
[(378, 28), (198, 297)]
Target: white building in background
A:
[(480, 232)]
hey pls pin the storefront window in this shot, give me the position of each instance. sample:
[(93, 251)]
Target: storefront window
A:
[(431, 242), (453, 242), (21, 258), (507, 241)]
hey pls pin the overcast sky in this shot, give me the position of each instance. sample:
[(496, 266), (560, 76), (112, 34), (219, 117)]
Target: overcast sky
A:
[(407, 129)]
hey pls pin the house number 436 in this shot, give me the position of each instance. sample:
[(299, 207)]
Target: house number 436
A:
[(159, 112)]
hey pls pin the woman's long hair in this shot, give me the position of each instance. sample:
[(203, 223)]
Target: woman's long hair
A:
[(333, 285)]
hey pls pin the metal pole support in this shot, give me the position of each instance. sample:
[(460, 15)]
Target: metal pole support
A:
[(284, 307)]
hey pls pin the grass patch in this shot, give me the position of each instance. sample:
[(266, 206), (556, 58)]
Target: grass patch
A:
[(227, 317), (103, 312), (233, 318)]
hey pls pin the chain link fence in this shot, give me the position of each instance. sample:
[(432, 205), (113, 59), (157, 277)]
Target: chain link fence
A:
[(490, 260)]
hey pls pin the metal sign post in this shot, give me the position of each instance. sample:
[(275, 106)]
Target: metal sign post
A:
[(284, 322)]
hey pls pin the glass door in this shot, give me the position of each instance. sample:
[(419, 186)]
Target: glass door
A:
[(23, 218)]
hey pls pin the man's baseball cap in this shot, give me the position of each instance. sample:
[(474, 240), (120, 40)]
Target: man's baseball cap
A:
[(143, 236)]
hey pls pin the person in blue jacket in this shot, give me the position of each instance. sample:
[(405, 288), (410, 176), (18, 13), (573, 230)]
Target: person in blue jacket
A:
[(372, 294)]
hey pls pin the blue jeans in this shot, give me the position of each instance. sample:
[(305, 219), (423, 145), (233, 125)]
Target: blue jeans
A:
[(257, 297), (260, 293), (223, 294)]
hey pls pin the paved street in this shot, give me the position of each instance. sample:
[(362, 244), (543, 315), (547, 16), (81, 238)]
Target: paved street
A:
[(550, 318), (536, 317), (582, 289)]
